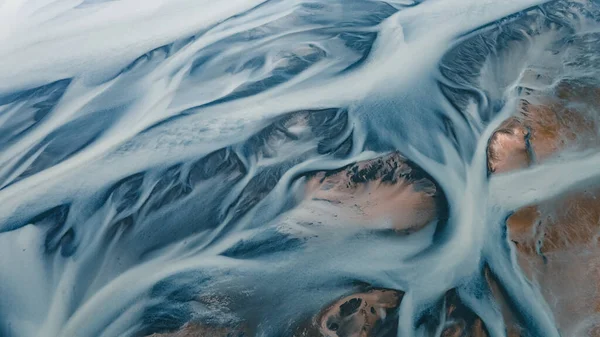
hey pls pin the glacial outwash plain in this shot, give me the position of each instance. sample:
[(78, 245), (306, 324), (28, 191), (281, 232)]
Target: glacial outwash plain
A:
[(299, 168)]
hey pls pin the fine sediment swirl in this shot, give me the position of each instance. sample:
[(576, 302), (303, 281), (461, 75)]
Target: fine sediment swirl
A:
[(300, 168)]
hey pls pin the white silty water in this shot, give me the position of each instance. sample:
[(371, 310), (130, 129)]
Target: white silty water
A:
[(134, 173)]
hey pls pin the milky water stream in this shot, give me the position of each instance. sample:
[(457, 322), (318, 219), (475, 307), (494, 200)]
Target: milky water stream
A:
[(139, 165)]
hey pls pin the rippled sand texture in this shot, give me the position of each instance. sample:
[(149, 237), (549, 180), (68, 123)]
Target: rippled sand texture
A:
[(299, 168)]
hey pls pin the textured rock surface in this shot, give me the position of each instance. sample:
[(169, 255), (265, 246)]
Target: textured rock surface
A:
[(359, 315), (363, 314), (556, 240), (385, 192)]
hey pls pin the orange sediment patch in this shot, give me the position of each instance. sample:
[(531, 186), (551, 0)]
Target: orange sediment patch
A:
[(378, 189), (507, 150), (357, 315), (556, 240)]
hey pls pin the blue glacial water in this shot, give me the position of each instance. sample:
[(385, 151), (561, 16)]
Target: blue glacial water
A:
[(150, 150)]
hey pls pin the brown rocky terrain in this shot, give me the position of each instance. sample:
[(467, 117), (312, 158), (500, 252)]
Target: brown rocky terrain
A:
[(385, 192), (556, 240), (357, 315)]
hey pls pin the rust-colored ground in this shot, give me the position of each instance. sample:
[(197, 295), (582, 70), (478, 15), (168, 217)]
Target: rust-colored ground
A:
[(556, 240), (385, 192)]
